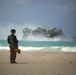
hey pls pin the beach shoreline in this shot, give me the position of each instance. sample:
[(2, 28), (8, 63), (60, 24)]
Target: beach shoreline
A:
[(39, 63)]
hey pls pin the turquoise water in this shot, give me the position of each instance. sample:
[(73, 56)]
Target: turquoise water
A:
[(43, 45), (46, 43)]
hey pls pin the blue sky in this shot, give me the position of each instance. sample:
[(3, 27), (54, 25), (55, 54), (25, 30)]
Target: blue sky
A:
[(38, 13)]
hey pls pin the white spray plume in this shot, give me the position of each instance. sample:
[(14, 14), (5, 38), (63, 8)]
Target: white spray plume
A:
[(5, 31)]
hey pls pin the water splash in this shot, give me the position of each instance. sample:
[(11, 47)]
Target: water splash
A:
[(42, 38)]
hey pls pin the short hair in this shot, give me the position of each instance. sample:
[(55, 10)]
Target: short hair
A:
[(13, 30)]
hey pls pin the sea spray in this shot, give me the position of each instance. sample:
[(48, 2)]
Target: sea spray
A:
[(42, 38)]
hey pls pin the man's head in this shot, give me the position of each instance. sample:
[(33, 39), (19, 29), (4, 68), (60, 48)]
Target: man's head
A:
[(13, 31)]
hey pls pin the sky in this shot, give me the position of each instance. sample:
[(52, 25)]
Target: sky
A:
[(47, 14)]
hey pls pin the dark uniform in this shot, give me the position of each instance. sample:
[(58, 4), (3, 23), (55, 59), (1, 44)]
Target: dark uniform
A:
[(13, 44)]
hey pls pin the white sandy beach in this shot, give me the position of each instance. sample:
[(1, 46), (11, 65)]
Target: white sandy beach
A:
[(39, 63)]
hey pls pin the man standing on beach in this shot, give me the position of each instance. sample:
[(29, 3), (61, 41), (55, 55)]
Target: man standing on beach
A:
[(13, 44)]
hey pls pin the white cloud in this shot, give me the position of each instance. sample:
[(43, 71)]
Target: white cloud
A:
[(66, 7)]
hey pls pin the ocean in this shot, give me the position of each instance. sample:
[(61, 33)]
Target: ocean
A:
[(50, 45)]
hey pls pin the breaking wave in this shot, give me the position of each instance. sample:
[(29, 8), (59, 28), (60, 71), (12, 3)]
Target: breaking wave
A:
[(47, 49)]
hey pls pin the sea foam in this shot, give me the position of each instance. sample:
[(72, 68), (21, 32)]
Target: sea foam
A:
[(49, 49)]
